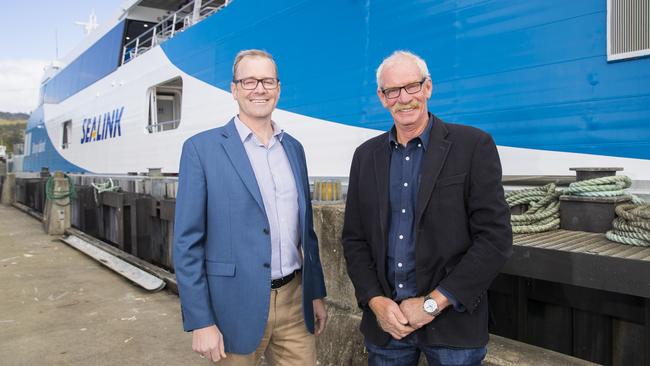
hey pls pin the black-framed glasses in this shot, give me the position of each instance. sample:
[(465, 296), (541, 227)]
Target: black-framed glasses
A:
[(412, 88), (251, 83)]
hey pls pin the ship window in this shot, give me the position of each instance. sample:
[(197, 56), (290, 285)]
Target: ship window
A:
[(165, 106), (628, 22), (67, 130)]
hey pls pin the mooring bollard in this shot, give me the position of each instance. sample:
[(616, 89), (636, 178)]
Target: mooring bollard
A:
[(56, 216), (592, 213), (9, 189)]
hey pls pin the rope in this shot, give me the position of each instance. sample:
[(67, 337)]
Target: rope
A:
[(612, 186), (55, 196), (632, 226), (100, 188), (543, 213), (108, 186)]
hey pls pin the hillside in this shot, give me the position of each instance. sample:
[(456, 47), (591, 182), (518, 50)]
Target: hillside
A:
[(10, 122), (12, 129)]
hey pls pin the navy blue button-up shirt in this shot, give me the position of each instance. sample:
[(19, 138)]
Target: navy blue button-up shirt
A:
[(404, 184)]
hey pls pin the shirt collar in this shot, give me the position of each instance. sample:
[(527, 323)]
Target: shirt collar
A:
[(423, 138), (245, 133)]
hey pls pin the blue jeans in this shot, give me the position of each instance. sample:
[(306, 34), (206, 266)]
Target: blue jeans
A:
[(406, 352)]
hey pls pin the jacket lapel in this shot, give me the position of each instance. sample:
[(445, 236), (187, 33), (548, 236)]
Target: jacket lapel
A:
[(237, 155), (432, 163), (382, 176), (299, 177)]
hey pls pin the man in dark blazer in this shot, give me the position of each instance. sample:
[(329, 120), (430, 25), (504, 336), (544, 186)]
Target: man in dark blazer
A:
[(245, 253), (426, 228)]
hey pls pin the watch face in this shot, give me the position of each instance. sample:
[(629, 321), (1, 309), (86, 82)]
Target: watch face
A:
[(430, 306)]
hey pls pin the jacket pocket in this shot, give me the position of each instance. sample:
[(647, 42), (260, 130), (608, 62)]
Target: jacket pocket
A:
[(448, 181), (219, 269)]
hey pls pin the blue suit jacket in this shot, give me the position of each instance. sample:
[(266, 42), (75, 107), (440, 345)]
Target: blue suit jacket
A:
[(222, 246)]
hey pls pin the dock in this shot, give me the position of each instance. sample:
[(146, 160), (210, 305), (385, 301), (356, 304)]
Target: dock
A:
[(60, 307)]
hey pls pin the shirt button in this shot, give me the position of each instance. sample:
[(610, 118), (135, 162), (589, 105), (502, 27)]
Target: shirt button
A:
[(419, 145), (266, 231), (407, 158), (401, 285), (403, 210), (400, 264), (401, 236), (406, 184)]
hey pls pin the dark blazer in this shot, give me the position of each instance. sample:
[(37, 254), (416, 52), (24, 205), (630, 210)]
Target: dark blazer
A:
[(462, 225), (222, 246)]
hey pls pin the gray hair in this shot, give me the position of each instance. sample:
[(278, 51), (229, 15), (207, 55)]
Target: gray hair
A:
[(401, 54), (252, 53)]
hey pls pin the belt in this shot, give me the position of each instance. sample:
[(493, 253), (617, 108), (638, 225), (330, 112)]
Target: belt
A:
[(277, 283)]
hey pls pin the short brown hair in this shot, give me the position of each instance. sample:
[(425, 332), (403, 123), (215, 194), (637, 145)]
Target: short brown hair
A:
[(252, 53)]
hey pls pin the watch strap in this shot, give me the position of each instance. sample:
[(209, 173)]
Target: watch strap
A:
[(437, 311)]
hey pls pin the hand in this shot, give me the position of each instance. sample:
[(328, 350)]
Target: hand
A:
[(208, 342), (414, 311), (390, 317), (320, 316)]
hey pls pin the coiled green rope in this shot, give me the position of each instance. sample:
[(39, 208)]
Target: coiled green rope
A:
[(543, 213), (632, 226), (613, 186), (55, 196)]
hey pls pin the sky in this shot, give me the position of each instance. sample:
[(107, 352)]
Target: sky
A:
[(28, 42)]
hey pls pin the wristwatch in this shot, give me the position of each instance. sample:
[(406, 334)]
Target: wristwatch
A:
[(430, 306)]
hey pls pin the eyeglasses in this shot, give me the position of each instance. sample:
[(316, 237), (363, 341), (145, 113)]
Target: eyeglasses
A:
[(251, 83), (412, 88)]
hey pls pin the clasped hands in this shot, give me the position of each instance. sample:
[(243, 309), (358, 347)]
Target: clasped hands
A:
[(400, 320)]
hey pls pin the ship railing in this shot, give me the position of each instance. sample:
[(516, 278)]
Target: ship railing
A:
[(180, 20), (163, 126)]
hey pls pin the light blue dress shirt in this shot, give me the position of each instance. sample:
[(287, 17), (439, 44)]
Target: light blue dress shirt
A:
[(277, 185)]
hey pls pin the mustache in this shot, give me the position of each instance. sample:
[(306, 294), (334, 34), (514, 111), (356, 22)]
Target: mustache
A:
[(399, 107)]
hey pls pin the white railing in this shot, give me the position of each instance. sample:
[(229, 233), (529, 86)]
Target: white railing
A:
[(179, 21), (163, 126)]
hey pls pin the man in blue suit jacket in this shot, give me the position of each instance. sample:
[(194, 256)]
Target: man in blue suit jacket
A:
[(245, 252)]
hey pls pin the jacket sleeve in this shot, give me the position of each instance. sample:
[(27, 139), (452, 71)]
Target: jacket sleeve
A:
[(360, 262), (489, 225), (189, 242)]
